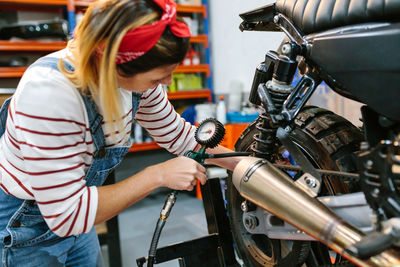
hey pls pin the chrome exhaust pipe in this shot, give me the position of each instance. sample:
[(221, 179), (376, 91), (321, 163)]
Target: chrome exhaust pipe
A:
[(270, 188)]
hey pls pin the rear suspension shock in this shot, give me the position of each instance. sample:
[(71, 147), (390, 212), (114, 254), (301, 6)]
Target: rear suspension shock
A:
[(274, 76)]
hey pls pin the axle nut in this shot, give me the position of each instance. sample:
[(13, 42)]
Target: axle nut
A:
[(250, 221)]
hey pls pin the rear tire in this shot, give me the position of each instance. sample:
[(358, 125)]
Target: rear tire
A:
[(329, 141)]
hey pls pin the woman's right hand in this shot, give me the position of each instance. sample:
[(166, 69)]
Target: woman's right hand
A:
[(180, 173)]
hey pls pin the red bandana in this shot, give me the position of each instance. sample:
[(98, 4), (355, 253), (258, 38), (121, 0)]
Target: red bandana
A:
[(138, 41)]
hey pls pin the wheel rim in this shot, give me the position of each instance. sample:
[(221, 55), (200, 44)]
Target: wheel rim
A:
[(263, 251)]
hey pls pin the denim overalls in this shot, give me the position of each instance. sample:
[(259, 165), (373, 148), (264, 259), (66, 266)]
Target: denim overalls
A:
[(25, 239)]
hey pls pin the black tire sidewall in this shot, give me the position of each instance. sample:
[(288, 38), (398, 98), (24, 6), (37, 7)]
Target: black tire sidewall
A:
[(322, 158)]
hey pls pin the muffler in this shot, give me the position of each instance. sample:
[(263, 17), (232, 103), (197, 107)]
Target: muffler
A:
[(273, 190)]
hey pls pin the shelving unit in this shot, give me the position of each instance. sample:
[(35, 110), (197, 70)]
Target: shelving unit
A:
[(111, 237), (37, 46), (192, 9), (194, 69), (202, 38), (82, 3), (180, 8), (25, 46), (17, 72), (72, 6), (12, 72), (6, 45), (36, 2), (203, 93), (195, 94), (145, 146)]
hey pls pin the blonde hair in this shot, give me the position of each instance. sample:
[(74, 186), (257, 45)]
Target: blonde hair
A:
[(104, 25)]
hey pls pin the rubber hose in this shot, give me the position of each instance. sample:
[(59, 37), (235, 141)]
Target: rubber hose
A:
[(231, 154), (153, 246)]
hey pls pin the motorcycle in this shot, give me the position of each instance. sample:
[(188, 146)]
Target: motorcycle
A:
[(318, 191)]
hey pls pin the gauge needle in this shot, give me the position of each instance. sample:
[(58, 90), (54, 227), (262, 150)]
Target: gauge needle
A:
[(207, 132)]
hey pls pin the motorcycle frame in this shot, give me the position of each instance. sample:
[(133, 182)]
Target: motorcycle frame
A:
[(219, 241), (376, 127), (284, 117)]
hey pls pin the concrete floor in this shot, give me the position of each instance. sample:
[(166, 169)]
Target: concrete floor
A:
[(136, 225)]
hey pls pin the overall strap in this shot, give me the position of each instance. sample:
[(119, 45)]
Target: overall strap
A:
[(95, 119), (3, 115)]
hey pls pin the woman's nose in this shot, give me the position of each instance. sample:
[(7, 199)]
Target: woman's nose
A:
[(167, 80)]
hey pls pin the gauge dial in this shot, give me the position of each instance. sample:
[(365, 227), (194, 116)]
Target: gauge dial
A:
[(206, 131), (210, 133)]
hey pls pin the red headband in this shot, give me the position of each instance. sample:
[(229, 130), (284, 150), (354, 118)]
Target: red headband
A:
[(138, 41)]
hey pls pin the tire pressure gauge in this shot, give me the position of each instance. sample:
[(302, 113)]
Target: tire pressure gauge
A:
[(210, 133)]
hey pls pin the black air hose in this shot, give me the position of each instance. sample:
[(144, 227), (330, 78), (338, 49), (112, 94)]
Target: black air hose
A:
[(169, 203)]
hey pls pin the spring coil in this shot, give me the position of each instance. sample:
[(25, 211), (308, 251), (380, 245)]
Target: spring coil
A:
[(278, 98), (265, 139)]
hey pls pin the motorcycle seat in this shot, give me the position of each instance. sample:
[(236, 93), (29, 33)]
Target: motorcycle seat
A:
[(311, 16)]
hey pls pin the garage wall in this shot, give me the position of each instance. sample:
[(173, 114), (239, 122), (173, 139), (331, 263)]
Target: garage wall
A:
[(236, 54)]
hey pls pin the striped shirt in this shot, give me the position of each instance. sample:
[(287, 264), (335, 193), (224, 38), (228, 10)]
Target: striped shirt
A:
[(47, 146)]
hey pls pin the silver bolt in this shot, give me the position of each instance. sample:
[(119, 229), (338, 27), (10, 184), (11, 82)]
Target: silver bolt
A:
[(286, 49), (276, 19), (251, 222), (311, 182), (375, 193), (244, 206), (369, 164)]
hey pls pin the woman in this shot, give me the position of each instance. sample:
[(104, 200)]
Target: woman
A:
[(57, 150)]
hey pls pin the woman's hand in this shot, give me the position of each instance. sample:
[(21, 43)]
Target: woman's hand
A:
[(180, 173)]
